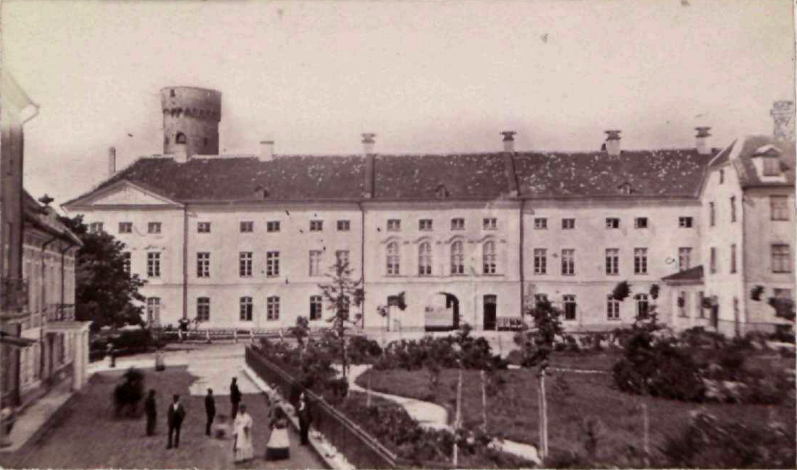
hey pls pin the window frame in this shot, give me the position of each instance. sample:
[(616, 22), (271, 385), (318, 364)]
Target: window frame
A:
[(246, 226), (273, 308), (458, 223), (425, 259), (272, 263), (344, 225), (457, 258), (686, 222), (154, 264), (425, 225), (612, 223), (684, 253), (203, 264), (540, 256), (153, 309), (203, 227), (489, 223), (316, 225), (273, 226), (489, 258), (780, 260), (779, 207), (245, 262), (641, 261), (641, 300), (393, 225), (568, 223), (540, 223), (641, 223), (569, 307), (203, 309), (612, 308), (316, 308), (154, 228), (612, 256), (245, 308), (315, 263), (393, 259), (125, 227), (568, 256)]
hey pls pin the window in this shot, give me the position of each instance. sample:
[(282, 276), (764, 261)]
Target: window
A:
[(154, 227), (712, 216), (125, 227), (684, 258), (640, 260), (722, 176), (641, 222), (425, 259), (540, 299), (488, 257), (570, 307), (490, 223), (203, 265), (153, 310), (701, 312), (642, 305), (246, 309), (315, 263), (612, 261), (458, 224), (457, 258), (540, 261), (247, 226), (612, 222), (779, 207), (733, 208), (203, 227), (540, 223), (781, 259), (316, 225), (315, 307), (712, 265), (393, 225), (771, 166), (344, 225), (273, 226), (782, 302), (733, 258), (273, 263), (568, 262), (203, 309), (273, 308), (682, 308), (425, 225), (568, 224), (126, 261), (342, 257), (245, 264), (612, 308), (153, 264), (95, 227), (181, 139), (393, 259), (685, 222)]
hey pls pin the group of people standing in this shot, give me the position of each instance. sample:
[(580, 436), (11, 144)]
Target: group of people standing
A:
[(278, 446)]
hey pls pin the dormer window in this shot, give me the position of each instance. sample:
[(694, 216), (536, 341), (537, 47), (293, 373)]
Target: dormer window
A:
[(625, 188), (261, 192), (770, 160), (771, 166), (441, 192)]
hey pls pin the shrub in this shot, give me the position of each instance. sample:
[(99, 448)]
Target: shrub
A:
[(128, 394), (621, 291)]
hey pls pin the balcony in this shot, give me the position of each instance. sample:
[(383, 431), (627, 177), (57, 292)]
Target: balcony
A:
[(60, 312), (14, 296)]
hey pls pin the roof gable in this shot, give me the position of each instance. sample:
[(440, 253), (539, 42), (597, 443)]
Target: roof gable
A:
[(122, 193)]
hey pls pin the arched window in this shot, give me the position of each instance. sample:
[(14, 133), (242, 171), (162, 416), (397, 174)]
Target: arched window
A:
[(425, 259), (393, 259), (457, 258), (181, 139), (488, 257)]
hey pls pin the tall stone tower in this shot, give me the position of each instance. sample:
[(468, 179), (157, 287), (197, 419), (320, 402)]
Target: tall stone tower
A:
[(783, 116), (191, 119)]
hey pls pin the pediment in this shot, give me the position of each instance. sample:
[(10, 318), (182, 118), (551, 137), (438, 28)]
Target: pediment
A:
[(125, 193)]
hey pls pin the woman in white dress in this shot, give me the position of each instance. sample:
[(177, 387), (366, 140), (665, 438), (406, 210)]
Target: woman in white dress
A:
[(242, 436), (279, 446)]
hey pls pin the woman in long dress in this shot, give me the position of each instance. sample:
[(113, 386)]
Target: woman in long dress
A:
[(242, 436), (279, 446)]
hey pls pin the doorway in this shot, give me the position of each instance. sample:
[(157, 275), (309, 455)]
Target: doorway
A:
[(490, 307)]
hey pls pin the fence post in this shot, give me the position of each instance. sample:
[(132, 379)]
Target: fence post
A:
[(543, 416), (457, 420)]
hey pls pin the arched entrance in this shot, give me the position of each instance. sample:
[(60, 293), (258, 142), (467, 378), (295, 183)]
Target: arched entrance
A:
[(441, 312)]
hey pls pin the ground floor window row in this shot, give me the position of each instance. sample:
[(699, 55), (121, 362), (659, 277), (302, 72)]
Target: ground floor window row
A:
[(246, 308), (568, 303)]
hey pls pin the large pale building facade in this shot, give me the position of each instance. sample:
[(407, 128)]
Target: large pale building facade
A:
[(243, 241)]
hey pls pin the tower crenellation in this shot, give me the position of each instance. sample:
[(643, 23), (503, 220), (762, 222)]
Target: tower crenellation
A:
[(191, 119)]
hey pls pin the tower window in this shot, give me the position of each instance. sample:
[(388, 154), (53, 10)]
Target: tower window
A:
[(181, 138), (171, 93)]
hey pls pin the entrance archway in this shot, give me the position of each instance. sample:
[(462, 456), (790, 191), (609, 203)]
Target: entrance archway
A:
[(441, 312)]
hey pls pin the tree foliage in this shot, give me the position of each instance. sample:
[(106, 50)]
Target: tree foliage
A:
[(104, 291), (537, 344), (340, 293)]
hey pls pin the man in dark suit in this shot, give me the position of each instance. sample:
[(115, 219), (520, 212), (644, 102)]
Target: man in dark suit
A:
[(151, 410), (305, 418), (235, 397), (175, 415), (210, 410)]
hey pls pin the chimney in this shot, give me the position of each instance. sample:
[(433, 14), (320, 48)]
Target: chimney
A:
[(368, 143), (783, 120), (509, 141), (701, 140), (111, 161), (613, 142), (266, 150), (368, 150)]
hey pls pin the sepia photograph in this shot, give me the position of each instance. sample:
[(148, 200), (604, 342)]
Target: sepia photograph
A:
[(360, 234)]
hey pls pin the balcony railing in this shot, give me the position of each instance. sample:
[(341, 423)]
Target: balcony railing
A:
[(61, 312), (14, 295)]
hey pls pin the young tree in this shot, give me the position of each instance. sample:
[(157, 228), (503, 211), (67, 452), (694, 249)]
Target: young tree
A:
[(536, 344), (105, 291), (340, 293)]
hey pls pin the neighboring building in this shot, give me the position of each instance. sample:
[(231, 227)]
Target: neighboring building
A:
[(244, 241)]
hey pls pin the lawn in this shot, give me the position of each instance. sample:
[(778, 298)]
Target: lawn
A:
[(512, 408), (87, 435)]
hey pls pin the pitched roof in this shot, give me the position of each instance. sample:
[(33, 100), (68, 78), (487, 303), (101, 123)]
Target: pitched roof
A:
[(46, 219), (689, 275), (741, 152)]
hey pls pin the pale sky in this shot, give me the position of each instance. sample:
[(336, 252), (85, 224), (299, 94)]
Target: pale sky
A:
[(425, 76)]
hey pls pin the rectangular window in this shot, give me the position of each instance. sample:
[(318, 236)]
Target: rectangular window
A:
[(95, 227), (733, 258), (344, 225), (342, 257), (779, 207), (641, 222), (126, 260), (712, 216), (685, 222), (712, 265), (781, 258), (316, 225), (245, 264), (612, 308), (425, 225), (540, 223), (612, 222), (125, 227), (540, 261), (642, 305), (203, 265), (153, 264), (272, 263), (203, 309), (273, 226), (568, 224), (393, 225), (153, 310), (154, 227), (489, 261), (682, 307), (490, 223), (701, 312), (203, 227), (640, 260), (722, 176), (684, 259), (783, 302), (570, 307), (612, 261), (393, 259), (247, 226), (315, 307), (273, 308), (568, 262), (315, 263), (458, 224), (246, 309), (771, 166), (733, 208)]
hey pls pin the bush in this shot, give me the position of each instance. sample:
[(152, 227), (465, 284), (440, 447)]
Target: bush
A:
[(363, 350), (128, 394)]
